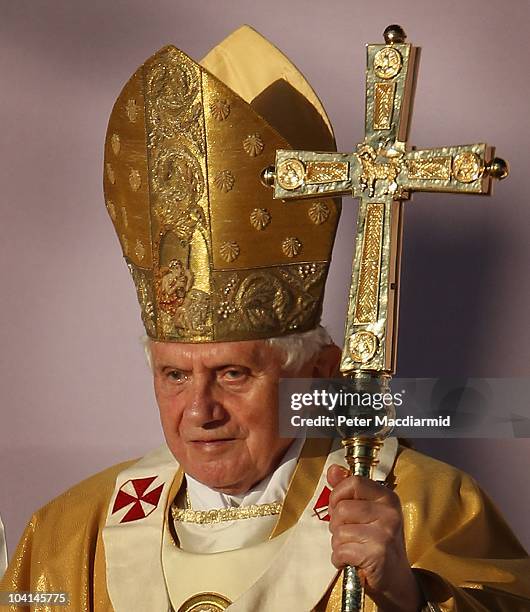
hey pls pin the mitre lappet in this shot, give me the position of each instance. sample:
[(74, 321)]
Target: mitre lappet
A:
[(213, 256)]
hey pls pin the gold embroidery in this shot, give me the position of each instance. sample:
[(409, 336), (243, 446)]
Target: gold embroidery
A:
[(194, 314), (291, 246), (156, 154), (283, 300), (134, 179), (175, 282), (229, 251), (112, 209), (306, 270), (260, 218), (115, 143), (139, 249), (124, 217), (224, 181), (184, 307), (176, 141), (253, 145), (178, 179), (110, 173), (131, 109), (144, 289), (220, 109), (175, 107), (205, 517), (318, 213)]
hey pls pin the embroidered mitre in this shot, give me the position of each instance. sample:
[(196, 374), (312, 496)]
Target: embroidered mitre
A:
[(212, 255)]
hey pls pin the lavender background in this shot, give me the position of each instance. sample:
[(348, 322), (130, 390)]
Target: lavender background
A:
[(76, 392)]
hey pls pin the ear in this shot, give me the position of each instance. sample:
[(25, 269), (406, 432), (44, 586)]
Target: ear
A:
[(327, 362)]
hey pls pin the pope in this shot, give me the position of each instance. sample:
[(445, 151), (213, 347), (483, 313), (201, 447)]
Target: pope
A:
[(227, 514)]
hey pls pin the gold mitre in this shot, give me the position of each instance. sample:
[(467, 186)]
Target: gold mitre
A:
[(212, 255)]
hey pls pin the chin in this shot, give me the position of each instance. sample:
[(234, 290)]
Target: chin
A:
[(219, 468), (222, 485), (221, 479)]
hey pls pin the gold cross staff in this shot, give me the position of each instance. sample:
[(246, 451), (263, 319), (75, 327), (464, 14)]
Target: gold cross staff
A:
[(382, 172)]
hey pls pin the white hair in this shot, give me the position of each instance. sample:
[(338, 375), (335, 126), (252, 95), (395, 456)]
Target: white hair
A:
[(296, 349)]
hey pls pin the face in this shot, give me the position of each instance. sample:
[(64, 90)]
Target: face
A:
[(219, 410)]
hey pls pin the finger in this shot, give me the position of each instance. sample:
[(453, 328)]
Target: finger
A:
[(336, 473), (359, 487), (360, 511), (359, 534), (359, 556)]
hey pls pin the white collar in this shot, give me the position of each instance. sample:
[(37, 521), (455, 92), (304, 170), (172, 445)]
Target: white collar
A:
[(271, 489)]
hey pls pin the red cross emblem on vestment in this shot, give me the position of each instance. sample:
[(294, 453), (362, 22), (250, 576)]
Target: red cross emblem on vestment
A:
[(322, 504), (140, 495)]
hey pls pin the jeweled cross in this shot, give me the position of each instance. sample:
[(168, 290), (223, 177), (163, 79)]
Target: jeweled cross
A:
[(382, 172)]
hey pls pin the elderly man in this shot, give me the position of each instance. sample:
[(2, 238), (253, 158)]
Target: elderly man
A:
[(228, 514)]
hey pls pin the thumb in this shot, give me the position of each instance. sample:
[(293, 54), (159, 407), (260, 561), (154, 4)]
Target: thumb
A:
[(336, 474)]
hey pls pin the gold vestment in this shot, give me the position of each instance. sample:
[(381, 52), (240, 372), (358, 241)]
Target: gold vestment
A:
[(462, 550)]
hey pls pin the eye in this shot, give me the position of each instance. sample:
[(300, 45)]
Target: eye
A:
[(235, 374), (176, 376)]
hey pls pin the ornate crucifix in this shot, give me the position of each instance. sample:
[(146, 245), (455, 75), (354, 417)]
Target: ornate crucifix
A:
[(382, 172)]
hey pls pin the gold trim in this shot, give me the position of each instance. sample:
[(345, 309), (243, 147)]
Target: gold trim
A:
[(205, 602), (177, 170), (256, 301), (290, 174), (303, 482), (206, 517), (383, 105), (430, 168), (387, 63), (467, 167), (323, 172), (363, 346), (366, 305)]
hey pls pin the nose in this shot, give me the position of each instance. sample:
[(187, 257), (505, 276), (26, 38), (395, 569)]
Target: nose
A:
[(204, 408)]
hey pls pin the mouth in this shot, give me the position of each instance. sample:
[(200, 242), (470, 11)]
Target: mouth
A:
[(215, 443)]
